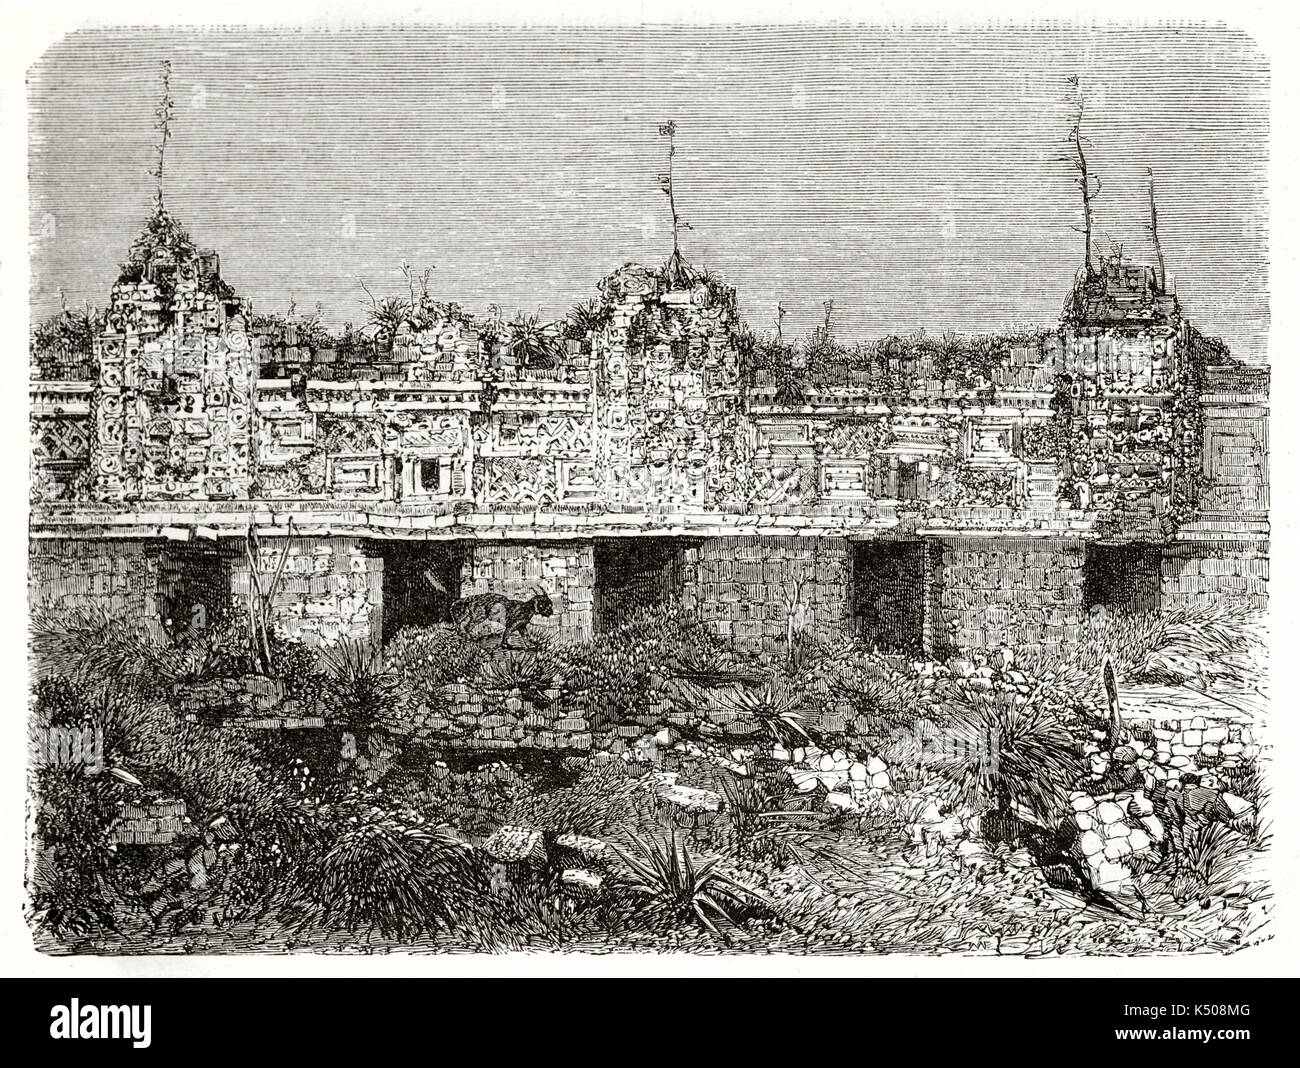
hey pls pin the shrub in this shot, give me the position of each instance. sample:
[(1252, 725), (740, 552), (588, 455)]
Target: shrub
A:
[(1199, 645), (382, 872), (532, 343), (878, 688), (1220, 643), (685, 890), (1009, 756), (72, 881), (604, 799), (530, 671), (425, 659), (58, 704), (622, 669), (93, 650), (363, 692)]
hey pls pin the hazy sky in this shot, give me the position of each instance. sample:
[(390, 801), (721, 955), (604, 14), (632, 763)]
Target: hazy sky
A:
[(911, 175)]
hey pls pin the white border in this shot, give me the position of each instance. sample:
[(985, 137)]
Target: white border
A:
[(30, 28)]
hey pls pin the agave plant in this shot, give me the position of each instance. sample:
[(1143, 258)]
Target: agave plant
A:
[(1008, 759), (530, 671), (385, 315), (531, 344), (70, 331), (684, 888), (583, 318), (363, 690), (400, 880), (775, 706), (1217, 861), (766, 830)]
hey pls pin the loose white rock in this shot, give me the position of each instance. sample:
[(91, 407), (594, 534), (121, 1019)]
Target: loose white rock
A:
[(1109, 812), (1090, 843)]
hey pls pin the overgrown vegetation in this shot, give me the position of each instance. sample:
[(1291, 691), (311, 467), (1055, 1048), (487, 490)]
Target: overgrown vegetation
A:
[(289, 841), (889, 365)]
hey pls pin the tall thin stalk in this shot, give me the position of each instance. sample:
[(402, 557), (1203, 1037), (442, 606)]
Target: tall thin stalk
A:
[(261, 601)]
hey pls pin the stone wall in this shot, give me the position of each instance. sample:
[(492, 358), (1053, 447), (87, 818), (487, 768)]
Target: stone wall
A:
[(330, 588), (1235, 457), (494, 719), (117, 578), (566, 571), (1196, 574), (1019, 592), (742, 588)]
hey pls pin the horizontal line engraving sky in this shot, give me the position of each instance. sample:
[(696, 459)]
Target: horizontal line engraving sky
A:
[(909, 174)]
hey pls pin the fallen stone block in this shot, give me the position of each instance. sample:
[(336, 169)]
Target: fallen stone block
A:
[(587, 848), (1090, 843), (1239, 805), (1110, 875), (1117, 848), (581, 879), (516, 845), (692, 799), (805, 781)]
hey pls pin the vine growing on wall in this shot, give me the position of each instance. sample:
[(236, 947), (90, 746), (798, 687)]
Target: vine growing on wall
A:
[(1042, 441), (1189, 422), (1073, 445), (980, 487)]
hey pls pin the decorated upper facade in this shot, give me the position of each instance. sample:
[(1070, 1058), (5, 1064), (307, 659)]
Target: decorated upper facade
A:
[(656, 398)]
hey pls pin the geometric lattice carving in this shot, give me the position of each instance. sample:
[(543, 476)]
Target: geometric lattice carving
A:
[(857, 440), (523, 482), (61, 440), (356, 435), (797, 485), (562, 434)]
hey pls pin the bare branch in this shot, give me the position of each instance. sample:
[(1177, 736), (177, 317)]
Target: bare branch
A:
[(373, 303)]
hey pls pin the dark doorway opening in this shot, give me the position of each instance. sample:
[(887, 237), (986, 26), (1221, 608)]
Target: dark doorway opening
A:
[(1123, 578), (633, 574), (890, 589), (194, 586), (421, 580)]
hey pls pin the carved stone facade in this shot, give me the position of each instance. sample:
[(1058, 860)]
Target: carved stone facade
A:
[(1116, 427)]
